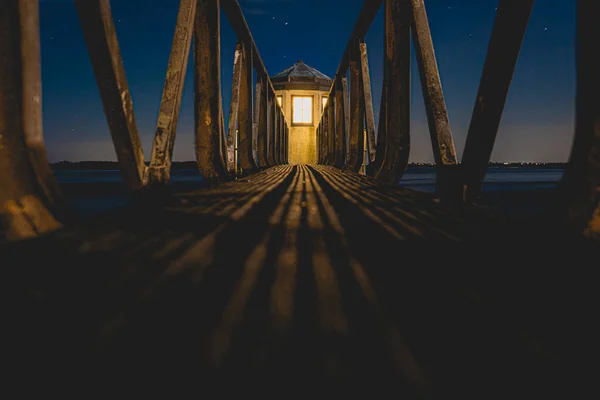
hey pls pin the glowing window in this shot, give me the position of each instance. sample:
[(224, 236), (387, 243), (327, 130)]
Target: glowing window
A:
[(302, 110), (280, 101), (324, 103)]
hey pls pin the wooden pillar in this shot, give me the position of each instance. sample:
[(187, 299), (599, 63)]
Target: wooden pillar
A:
[(159, 171), (234, 108), (580, 186), (435, 105), (281, 138), (271, 129), (261, 121), (509, 30), (208, 113), (357, 113), (368, 100), (276, 127), (103, 48), (397, 61), (247, 163), (331, 128), (24, 205), (340, 125)]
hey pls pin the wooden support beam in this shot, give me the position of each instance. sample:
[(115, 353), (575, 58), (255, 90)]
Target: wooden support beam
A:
[(340, 125), (276, 127), (368, 100), (24, 209), (208, 110), (247, 163), (579, 197), (260, 107), (103, 48), (357, 113), (159, 171), (234, 108), (373, 167), (331, 129), (397, 61), (512, 18), (346, 99), (435, 105), (32, 110), (271, 130)]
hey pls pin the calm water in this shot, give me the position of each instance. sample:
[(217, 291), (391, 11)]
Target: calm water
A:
[(417, 178)]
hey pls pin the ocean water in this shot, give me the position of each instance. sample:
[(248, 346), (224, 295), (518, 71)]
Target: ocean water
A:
[(109, 192)]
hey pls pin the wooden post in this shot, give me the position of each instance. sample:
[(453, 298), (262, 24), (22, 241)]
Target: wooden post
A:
[(281, 137), (23, 203), (159, 171), (357, 113), (271, 129), (368, 100), (32, 110), (261, 122), (397, 115), (509, 30), (580, 187), (276, 127), (435, 105), (340, 125), (247, 163), (331, 128), (346, 99), (234, 108), (103, 48), (208, 112)]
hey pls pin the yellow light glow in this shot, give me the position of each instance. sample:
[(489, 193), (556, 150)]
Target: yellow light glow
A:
[(280, 101), (302, 113), (324, 103)]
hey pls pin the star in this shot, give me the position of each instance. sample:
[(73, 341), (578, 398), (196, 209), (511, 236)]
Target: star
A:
[(286, 23)]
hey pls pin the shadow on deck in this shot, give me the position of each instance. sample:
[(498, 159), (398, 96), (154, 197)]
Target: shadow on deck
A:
[(296, 276)]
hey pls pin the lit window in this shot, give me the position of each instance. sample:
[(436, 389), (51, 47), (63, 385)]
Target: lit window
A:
[(324, 103), (302, 110), (280, 101)]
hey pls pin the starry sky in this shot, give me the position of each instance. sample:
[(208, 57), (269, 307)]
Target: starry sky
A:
[(538, 120)]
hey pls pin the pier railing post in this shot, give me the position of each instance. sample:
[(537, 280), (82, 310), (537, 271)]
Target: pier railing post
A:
[(247, 163), (260, 122), (357, 113), (331, 128), (397, 84), (24, 204), (103, 48), (512, 17), (340, 125), (159, 171), (208, 109)]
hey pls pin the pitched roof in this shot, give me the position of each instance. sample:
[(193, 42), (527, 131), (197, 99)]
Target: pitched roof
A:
[(300, 72)]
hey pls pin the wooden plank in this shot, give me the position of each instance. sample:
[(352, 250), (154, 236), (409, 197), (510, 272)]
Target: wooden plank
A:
[(170, 105), (357, 116), (247, 163), (435, 105), (23, 206), (397, 114), (346, 99), (234, 108), (579, 199), (208, 112), (512, 17), (369, 114), (340, 126), (103, 48)]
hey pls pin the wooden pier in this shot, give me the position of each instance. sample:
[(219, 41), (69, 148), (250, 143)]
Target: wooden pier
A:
[(278, 278)]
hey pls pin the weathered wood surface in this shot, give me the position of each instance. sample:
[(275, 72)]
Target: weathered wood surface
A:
[(288, 277)]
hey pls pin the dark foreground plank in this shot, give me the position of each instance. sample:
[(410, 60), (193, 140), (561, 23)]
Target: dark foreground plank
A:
[(294, 277)]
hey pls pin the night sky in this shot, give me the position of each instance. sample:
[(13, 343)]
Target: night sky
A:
[(537, 124)]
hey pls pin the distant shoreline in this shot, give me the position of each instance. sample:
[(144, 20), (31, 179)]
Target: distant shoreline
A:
[(183, 165)]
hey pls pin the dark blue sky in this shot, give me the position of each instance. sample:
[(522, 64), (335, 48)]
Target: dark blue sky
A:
[(537, 123)]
